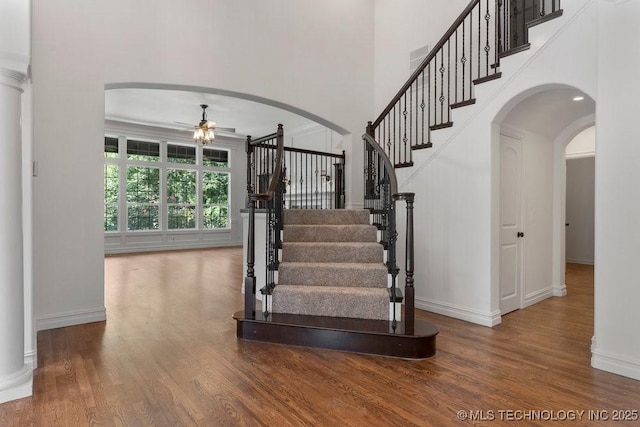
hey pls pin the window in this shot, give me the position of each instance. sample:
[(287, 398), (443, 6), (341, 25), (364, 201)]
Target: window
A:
[(215, 200), (181, 198), (111, 196), (164, 186), (110, 147), (215, 158), (181, 154), (143, 150), (143, 194)]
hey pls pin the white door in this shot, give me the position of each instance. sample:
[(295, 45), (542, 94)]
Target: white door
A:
[(511, 233)]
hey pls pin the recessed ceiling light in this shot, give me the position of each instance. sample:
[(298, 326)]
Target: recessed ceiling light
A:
[(578, 98)]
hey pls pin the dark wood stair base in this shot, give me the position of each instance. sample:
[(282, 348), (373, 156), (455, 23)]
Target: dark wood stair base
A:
[(403, 165), (545, 18), (343, 334), (421, 146), (521, 48)]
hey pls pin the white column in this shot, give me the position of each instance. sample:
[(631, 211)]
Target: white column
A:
[(16, 378)]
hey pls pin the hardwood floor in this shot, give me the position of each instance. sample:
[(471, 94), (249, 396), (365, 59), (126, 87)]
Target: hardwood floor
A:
[(168, 355)]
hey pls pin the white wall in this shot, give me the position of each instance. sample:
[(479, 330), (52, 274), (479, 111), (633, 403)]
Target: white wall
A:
[(400, 28), (580, 210), (616, 345), (456, 181), (537, 180), (583, 144), (319, 59)]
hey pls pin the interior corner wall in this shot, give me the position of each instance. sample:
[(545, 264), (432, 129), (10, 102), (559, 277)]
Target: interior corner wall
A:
[(616, 347), (316, 57)]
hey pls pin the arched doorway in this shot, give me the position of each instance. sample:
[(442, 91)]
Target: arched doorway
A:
[(533, 131)]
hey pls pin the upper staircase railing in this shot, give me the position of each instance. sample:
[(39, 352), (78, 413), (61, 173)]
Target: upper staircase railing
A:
[(381, 194), (467, 54), (269, 195), (314, 179)]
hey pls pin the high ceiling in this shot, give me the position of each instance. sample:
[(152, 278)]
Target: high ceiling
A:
[(175, 109)]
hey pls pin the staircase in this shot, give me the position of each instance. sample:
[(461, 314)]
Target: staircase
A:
[(331, 287), (332, 265)]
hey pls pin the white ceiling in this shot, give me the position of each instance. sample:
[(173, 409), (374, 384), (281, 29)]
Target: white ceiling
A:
[(163, 108), (548, 113)]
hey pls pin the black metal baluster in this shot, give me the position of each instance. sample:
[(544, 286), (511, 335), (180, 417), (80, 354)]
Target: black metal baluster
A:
[(404, 129), (487, 47), (422, 105), (456, 69), (441, 99), (463, 61), (448, 80), (479, 36), (470, 49)]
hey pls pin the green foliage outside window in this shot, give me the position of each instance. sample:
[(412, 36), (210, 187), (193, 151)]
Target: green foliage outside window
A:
[(110, 197), (143, 194), (181, 198), (215, 200)]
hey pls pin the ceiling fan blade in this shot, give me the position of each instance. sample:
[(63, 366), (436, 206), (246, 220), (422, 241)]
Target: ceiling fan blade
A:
[(224, 129)]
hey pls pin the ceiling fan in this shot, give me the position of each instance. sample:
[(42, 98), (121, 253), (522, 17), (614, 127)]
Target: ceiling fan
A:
[(205, 130)]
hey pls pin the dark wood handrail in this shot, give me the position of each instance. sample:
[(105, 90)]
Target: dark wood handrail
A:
[(260, 140), (303, 151), (277, 172), (432, 53), (393, 181)]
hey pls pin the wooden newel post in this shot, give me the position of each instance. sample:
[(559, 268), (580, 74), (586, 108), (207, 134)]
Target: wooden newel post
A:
[(250, 280), (409, 302)]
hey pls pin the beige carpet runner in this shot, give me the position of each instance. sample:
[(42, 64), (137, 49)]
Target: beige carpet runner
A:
[(332, 265)]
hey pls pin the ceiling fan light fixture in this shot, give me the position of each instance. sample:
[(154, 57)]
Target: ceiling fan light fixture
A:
[(204, 131)]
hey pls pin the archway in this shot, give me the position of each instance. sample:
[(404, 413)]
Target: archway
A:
[(541, 121)]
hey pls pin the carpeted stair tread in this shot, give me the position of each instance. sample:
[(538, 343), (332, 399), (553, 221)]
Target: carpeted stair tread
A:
[(330, 233), (326, 216), (337, 301), (332, 274), (338, 252)]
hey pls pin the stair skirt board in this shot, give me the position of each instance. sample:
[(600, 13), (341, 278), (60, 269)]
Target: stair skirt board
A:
[(344, 334)]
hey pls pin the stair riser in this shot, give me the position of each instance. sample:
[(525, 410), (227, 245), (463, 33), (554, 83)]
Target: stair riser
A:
[(331, 305), (362, 233), (331, 275), (326, 216), (333, 253)]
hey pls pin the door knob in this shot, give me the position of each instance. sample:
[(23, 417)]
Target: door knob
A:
[(520, 234)]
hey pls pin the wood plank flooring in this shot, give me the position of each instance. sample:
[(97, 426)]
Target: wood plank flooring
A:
[(168, 355)]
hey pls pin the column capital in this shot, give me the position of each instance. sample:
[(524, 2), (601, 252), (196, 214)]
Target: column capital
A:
[(11, 78)]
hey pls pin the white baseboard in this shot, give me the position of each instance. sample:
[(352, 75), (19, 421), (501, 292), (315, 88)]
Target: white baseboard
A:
[(537, 296), (17, 385), (458, 312), (31, 359), (615, 363), (62, 320), (561, 291), (134, 249)]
